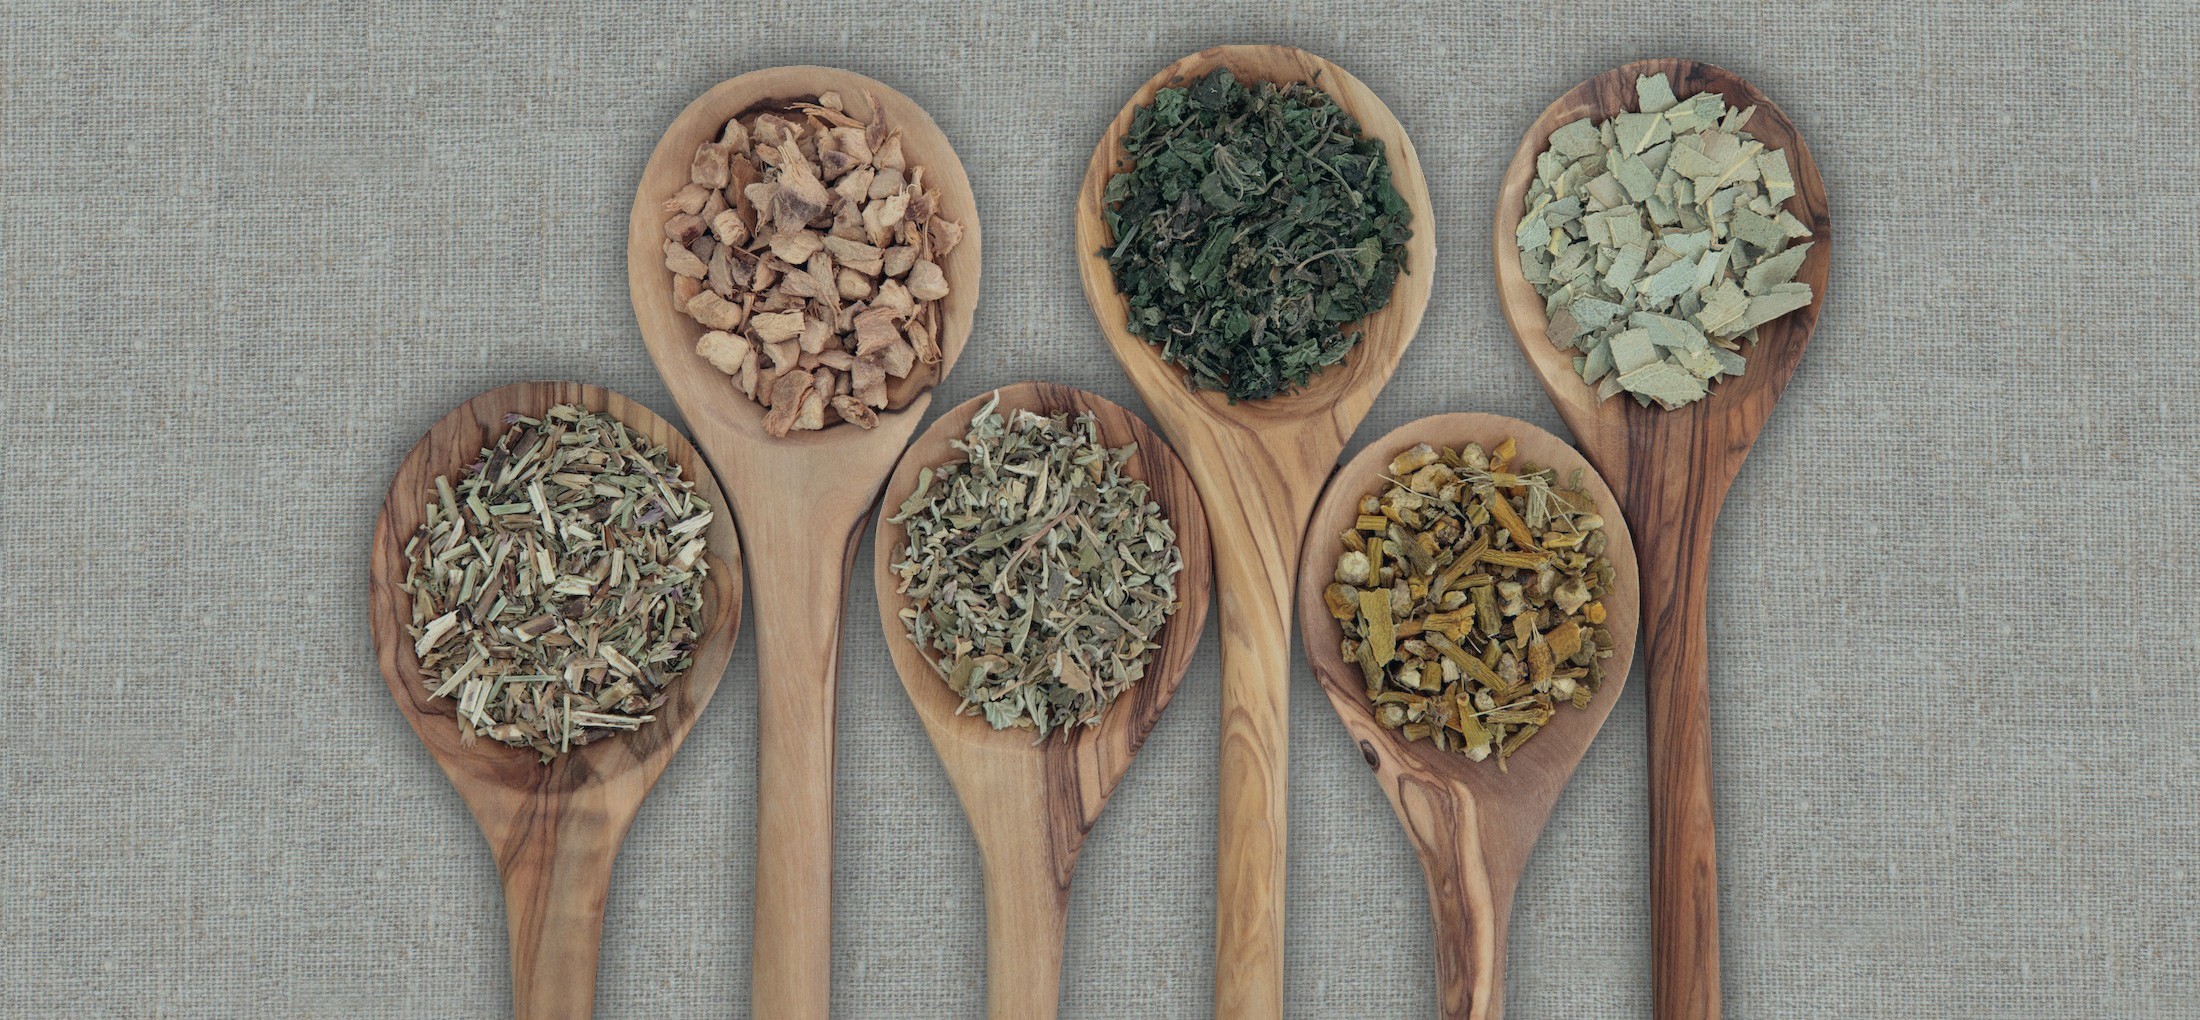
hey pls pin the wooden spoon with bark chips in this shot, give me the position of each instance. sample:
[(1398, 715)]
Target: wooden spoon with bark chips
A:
[(801, 501), (555, 827), (1031, 804), (1259, 464), (1472, 825), (1671, 470)]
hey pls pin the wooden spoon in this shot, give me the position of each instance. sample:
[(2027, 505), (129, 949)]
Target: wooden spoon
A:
[(1472, 825), (555, 827), (802, 502), (1671, 470), (1259, 465), (1032, 804)]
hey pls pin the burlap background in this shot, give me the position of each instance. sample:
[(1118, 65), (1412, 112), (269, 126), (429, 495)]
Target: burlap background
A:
[(250, 252)]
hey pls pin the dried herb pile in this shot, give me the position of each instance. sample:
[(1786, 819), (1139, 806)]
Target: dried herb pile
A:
[(810, 246), (1252, 225), (1659, 244), (556, 588), (1471, 591), (1039, 572)]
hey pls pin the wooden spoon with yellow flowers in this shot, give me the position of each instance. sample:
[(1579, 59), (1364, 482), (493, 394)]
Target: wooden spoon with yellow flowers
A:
[(1467, 593)]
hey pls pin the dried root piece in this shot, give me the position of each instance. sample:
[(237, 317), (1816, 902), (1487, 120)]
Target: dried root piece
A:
[(811, 250)]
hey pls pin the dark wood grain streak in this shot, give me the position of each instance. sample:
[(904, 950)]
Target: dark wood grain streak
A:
[(802, 501), (1672, 470), (1259, 465), (554, 828), (1472, 825), (1031, 805)]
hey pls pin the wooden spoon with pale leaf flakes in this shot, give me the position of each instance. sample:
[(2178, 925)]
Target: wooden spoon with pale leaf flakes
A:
[(1671, 470), (555, 827), (1031, 804)]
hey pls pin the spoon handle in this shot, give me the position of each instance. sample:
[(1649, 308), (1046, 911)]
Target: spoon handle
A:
[(1684, 879), (1253, 558), (556, 865), (1026, 917), (1470, 920), (802, 563)]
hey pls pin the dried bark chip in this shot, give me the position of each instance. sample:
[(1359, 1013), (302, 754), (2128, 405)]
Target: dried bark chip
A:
[(682, 261), (709, 166), (899, 358), (684, 289), (943, 235), (815, 334), (892, 294), (811, 416), (876, 330), (799, 199), (683, 228), (714, 311), (888, 156), (728, 228), (784, 355), (854, 412), (787, 393), (867, 378), (713, 204), (926, 282), (898, 259), (689, 199), (796, 248), (921, 339), (747, 379), (778, 326), (853, 286), (726, 351), (886, 183)]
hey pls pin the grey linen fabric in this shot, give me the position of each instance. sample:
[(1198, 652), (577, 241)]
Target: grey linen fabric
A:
[(250, 252)]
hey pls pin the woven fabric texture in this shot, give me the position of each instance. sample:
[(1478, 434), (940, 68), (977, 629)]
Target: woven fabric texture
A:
[(249, 252)]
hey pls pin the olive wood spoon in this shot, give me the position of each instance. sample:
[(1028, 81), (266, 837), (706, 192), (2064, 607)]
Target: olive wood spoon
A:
[(1031, 804), (555, 827), (1671, 470), (1472, 825), (801, 501), (1259, 465)]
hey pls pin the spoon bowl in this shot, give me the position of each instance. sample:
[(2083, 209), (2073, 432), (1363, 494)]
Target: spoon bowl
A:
[(1031, 804), (1259, 465), (1472, 825), (801, 500), (555, 827), (1672, 470)]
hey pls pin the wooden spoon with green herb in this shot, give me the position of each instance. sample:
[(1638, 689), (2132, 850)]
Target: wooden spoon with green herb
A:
[(555, 827), (1030, 803), (1259, 464), (802, 500), (1671, 470), (1472, 824)]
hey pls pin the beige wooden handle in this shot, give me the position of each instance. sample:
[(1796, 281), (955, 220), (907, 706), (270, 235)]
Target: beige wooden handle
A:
[(1470, 936), (555, 884), (1253, 577), (1684, 875), (798, 625), (1026, 915)]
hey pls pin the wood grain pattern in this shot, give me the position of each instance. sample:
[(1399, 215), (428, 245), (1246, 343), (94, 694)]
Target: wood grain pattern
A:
[(1259, 466), (1472, 825), (556, 827), (1672, 470), (1031, 805), (802, 501)]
